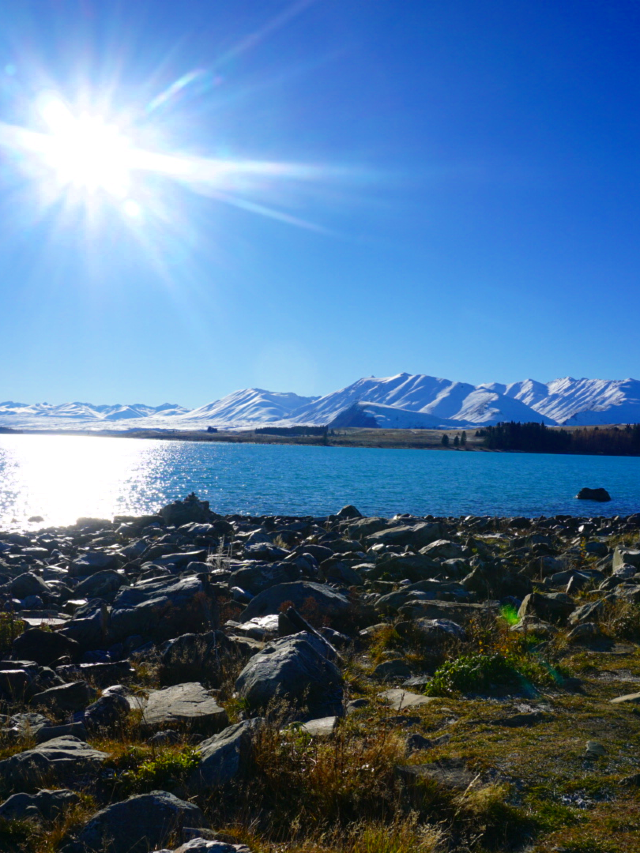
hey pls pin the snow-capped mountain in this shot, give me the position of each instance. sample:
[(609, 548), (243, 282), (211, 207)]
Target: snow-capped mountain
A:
[(252, 405), (579, 401), (440, 398), (402, 401)]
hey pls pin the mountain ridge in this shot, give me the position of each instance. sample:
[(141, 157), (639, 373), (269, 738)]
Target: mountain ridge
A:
[(404, 398)]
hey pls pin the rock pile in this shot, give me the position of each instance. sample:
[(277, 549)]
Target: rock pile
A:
[(276, 602)]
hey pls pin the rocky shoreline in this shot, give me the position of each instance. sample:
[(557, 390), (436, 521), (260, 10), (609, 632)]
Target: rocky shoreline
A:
[(194, 682)]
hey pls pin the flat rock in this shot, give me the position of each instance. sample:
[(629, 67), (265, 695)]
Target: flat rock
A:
[(401, 700), (322, 727), (185, 705), (225, 756), (56, 761)]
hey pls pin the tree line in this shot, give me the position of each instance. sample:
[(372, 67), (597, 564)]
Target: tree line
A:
[(538, 438)]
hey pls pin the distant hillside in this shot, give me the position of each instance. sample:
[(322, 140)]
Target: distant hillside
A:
[(403, 401)]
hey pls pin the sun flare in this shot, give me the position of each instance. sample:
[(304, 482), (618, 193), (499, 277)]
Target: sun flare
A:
[(85, 151)]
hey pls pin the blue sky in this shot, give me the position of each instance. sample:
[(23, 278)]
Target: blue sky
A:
[(468, 206)]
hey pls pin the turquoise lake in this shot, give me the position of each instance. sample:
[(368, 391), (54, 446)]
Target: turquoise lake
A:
[(64, 477)]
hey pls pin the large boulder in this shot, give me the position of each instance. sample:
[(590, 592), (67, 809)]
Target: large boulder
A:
[(92, 562), (194, 657), (100, 585), (162, 608), (295, 671), (74, 696), (626, 557), (184, 705), (225, 757), (305, 596), (58, 761), (601, 495), (554, 607), (183, 512), (28, 584), (44, 647), (415, 535), (137, 825)]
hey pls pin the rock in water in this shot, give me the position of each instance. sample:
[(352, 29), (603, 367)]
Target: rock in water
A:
[(601, 495)]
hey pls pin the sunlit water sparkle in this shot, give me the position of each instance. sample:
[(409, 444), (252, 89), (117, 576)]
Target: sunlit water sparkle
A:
[(62, 478)]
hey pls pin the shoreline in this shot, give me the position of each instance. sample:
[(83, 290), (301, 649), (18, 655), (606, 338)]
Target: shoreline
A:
[(383, 439)]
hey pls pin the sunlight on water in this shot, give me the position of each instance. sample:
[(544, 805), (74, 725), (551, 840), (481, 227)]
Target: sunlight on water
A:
[(62, 478)]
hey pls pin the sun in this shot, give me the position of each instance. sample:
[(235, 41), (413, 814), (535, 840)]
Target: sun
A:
[(85, 151)]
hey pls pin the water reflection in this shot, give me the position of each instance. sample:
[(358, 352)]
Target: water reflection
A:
[(61, 478)]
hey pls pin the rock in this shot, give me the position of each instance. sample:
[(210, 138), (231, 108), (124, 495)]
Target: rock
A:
[(584, 632), (303, 595), (601, 495), (107, 712), (74, 696), (92, 562), (101, 674), (225, 757), (186, 706), (161, 608), (294, 670), (14, 684), (184, 512), (44, 647), (433, 630), (390, 669), (402, 700), (28, 584), (100, 585), (194, 657), (450, 773), (57, 761), (136, 825), (586, 613), (415, 535), (594, 749), (348, 512), (449, 610), (204, 845), (443, 549), (626, 557), (322, 727), (554, 607), (45, 805)]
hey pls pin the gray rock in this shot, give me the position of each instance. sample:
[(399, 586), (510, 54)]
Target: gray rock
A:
[(57, 761), (108, 711), (187, 706), (415, 535), (225, 757), (443, 549), (293, 669), (626, 557), (136, 825), (43, 647), (92, 562), (162, 608), (46, 805), (14, 684), (391, 669), (100, 585), (401, 700), (554, 607), (28, 584), (194, 657), (65, 697), (300, 593), (191, 509)]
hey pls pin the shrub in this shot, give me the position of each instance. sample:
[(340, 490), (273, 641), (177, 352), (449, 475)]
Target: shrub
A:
[(10, 628), (477, 673)]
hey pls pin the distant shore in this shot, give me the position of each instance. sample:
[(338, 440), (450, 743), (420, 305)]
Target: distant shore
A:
[(426, 439), (459, 440)]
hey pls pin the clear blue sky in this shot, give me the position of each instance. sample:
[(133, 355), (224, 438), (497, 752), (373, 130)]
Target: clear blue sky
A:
[(471, 210)]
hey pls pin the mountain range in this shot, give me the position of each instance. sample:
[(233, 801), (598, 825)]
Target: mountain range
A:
[(403, 401)]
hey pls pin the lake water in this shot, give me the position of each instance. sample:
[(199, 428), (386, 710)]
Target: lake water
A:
[(64, 477)]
